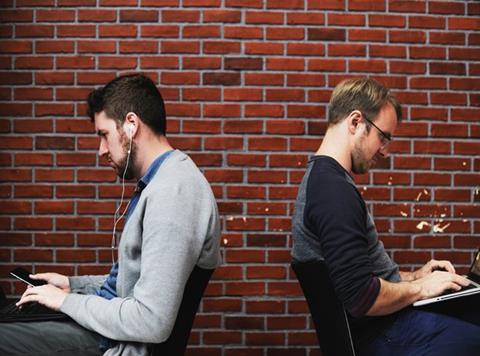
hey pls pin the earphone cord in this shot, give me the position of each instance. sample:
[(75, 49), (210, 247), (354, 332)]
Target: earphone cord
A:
[(115, 220)]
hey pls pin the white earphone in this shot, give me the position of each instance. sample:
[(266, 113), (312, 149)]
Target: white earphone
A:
[(130, 130), (131, 127)]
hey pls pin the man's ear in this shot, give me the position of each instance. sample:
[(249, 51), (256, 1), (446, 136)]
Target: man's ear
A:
[(353, 120), (131, 124)]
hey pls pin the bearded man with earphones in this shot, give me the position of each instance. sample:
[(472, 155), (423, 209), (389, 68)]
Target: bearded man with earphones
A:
[(171, 226)]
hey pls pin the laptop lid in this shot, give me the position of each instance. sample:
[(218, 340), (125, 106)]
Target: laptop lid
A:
[(474, 273)]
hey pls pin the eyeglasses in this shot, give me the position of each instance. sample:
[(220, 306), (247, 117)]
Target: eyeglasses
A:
[(386, 137)]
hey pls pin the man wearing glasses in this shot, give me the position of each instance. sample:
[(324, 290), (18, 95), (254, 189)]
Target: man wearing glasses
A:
[(331, 223)]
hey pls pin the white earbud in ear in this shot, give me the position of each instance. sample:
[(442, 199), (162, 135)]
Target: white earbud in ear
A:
[(130, 130)]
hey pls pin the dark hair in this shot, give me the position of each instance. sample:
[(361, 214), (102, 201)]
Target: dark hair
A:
[(366, 95), (130, 93)]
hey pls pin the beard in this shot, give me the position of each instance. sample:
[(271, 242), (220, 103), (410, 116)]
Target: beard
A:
[(360, 164), (124, 168)]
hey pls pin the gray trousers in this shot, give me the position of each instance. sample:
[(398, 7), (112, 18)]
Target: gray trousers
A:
[(47, 338)]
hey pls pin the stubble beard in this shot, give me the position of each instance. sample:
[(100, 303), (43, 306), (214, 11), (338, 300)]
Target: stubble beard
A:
[(125, 167), (360, 164)]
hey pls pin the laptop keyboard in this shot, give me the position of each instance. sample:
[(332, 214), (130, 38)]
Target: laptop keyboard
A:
[(29, 312), (470, 286)]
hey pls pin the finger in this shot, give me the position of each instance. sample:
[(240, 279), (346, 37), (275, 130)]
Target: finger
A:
[(39, 276), (446, 265), (27, 299)]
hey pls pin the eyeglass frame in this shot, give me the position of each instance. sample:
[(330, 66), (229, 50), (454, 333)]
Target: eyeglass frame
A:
[(387, 137)]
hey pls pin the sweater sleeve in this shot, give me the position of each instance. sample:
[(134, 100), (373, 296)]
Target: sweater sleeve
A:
[(177, 218), (337, 214)]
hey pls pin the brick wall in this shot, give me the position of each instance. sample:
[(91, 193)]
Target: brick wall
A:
[(246, 84)]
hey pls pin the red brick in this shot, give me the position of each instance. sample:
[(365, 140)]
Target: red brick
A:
[(117, 62), (427, 22), (242, 126), (407, 6), (283, 33), (224, 143), (180, 16), (448, 98), (464, 53), (327, 5), (201, 62), (221, 110), (346, 19), (16, 143), (263, 17), (450, 38), (446, 7), (14, 47), (220, 47), (326, 34), (242, 322), (305, 18), (266, 240), (32, 31), (263, 79), (222, 16), (242, 32), (464, 114), (100, 15), (33, 159), (33, 255), (427, 52), (305, 49), (267, 176), (201, 94), (76, 31), (221, 78), (231, 94), (467, 24), (238, 63), (349, 50), (138, 16), (245, 288), (408, 67), (367, 35), (386, 20)]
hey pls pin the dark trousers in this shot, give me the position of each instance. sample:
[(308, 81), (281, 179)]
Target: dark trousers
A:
[(47, 338), (442, 329)]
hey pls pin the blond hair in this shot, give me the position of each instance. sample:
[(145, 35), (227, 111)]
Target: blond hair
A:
[(364, 94)]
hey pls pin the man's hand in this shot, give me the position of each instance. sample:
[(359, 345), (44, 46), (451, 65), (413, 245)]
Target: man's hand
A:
[(431, 266), (48, 295), (55, 279), (437, 282)]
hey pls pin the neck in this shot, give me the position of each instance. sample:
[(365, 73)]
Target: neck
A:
[(337, 146), (147, 151)]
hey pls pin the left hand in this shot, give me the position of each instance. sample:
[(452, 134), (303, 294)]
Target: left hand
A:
[(47, 295), (433, 265)]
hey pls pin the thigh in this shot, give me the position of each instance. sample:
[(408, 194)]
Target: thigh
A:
[(417, 332), (47, 338), (466, 308)]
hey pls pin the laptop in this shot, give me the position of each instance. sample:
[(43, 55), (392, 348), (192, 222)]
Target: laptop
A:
[(9, 312), (474, 287)]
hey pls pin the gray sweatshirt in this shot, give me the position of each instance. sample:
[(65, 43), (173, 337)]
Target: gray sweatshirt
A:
[(174, 227)]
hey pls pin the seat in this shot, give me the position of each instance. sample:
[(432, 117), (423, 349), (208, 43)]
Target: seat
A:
[(176, 343), (328, 313)]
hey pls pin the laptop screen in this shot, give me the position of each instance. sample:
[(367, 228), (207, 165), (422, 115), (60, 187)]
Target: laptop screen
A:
[(474, 273)]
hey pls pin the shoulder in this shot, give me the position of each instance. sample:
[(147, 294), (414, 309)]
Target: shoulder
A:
[(179, 174)]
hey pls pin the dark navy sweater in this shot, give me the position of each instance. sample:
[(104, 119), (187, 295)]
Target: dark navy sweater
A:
[(331, 222)]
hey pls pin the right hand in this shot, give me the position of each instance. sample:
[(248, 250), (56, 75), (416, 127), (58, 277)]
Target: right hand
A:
[(437, 282), (56, 279)]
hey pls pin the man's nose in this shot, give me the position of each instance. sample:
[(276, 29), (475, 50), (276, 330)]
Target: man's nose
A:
[(384, 151), (102, 149)]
